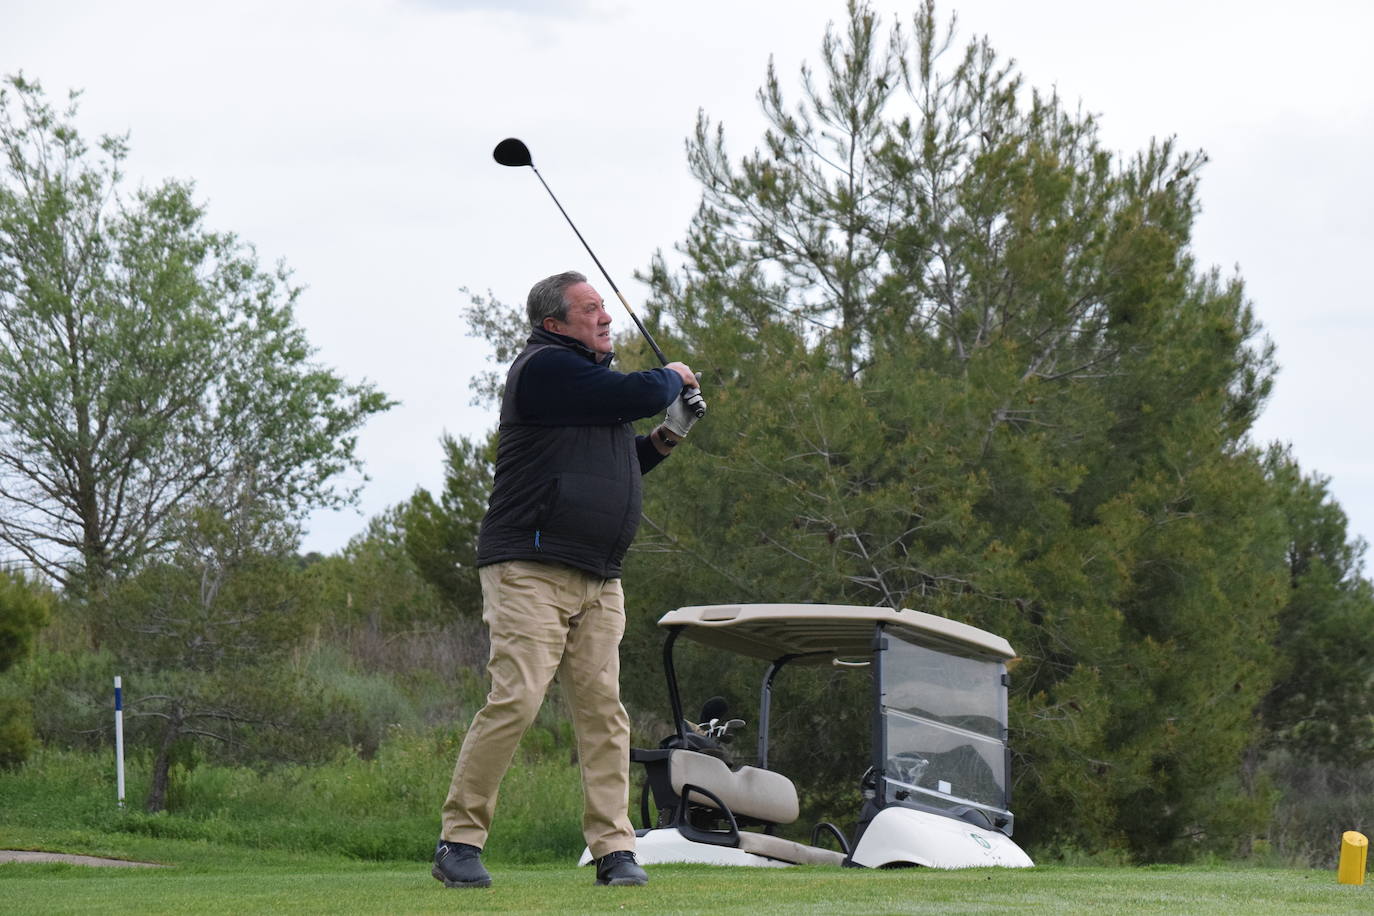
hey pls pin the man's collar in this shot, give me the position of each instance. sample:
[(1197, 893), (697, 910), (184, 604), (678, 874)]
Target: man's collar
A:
[(542, 336)]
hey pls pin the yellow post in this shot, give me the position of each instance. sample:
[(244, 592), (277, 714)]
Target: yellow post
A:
[(1354, 851)]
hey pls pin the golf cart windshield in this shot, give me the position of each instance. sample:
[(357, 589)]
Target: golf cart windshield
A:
[(944, 720)]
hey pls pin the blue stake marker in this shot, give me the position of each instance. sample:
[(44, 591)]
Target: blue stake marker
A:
[(119, 739)]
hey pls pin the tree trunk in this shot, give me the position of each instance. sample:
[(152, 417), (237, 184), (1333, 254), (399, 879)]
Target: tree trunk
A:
[(157, 791)]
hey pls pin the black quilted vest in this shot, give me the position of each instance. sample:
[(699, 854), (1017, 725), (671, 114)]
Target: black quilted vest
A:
[(561, 494)]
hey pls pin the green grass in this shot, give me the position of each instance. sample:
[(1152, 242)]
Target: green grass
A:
[(205, 882), (354, 836), (384, 809)]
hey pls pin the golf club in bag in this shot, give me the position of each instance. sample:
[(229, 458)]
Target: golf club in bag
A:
[(514, 153)]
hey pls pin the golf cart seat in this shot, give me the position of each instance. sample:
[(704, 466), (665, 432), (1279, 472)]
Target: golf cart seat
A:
[(685, 782)]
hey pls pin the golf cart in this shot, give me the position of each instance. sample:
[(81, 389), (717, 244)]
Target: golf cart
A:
[(936, 792)]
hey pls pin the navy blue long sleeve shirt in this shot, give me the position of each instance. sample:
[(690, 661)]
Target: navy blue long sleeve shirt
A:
[(561, 387)]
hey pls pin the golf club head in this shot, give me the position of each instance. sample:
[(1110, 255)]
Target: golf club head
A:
[(512, 152), (714, 708)]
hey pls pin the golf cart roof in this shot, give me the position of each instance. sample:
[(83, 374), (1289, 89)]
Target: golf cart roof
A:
[(824, 631)]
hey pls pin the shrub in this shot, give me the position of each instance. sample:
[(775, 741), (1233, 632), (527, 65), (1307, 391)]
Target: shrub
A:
[(1318, 802), (16, 732), (71, 695), (25, 608)]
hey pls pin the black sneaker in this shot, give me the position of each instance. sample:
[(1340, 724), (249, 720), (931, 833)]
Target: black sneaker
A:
[(619, 869), (459, 865)]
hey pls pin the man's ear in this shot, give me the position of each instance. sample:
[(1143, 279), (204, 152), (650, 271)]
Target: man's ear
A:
[(551, 325)]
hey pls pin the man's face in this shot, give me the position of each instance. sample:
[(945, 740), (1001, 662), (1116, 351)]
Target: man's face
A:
[(587, 322)]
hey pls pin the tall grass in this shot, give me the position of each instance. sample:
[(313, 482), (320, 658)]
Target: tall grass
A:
[(384, 809), (424, 676), (1318, 802)]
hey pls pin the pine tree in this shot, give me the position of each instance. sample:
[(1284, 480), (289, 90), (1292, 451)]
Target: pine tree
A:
[(960, 359)]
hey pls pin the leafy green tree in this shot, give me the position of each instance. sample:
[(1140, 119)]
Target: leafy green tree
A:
[(373, 583), (144, 359), (961, 359), (25, 608), (505, 328), (1322, 704), (206, 631), (441, 537), (68, 690)]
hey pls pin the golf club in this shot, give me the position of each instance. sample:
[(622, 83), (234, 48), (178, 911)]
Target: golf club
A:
[(514, 153)]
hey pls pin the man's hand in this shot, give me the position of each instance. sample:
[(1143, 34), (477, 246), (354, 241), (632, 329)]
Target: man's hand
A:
[(691, 391), (688, 379), (684, 412)]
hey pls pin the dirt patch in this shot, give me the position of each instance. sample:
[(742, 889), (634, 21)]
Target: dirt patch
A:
[(25, 855)]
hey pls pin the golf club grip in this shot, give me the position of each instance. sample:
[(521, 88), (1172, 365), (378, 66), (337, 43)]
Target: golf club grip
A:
[(699, 408)]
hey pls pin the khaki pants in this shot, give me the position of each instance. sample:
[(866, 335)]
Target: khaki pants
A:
[(548, 619)]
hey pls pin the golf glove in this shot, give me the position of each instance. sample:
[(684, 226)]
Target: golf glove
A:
[(684, 412)]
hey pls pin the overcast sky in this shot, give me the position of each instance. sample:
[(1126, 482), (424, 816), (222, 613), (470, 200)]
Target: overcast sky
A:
[(353, 138)]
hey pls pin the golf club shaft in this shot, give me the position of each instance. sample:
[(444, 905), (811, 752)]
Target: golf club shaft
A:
[(619, 295)]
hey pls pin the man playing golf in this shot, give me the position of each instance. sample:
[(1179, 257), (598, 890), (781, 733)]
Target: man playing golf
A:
[(564, 508)]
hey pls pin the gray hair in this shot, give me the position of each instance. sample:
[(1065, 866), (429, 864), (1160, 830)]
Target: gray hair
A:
[(546, 299)]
